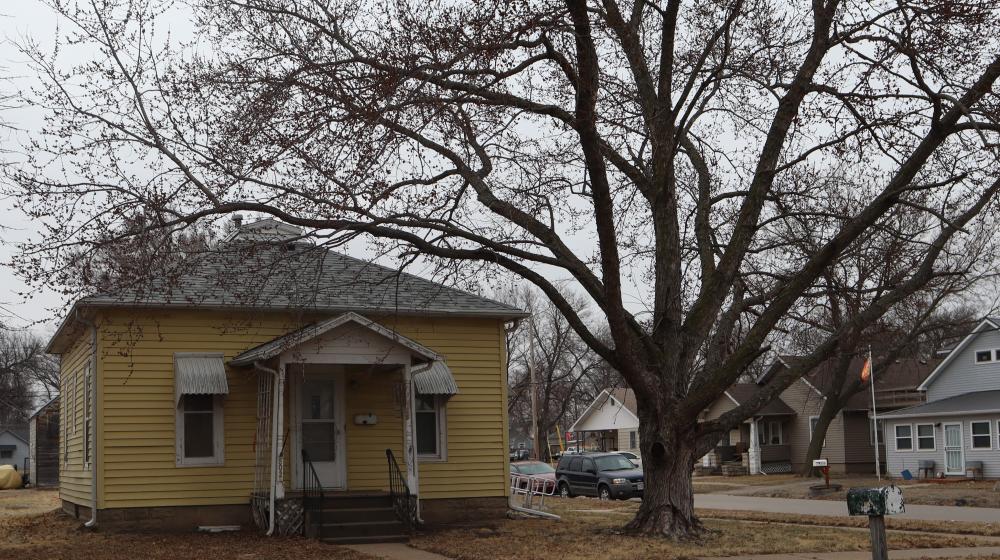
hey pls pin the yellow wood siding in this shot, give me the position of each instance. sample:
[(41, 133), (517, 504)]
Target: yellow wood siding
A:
[(366, 463), (137, 383), (74, 476), (477, 416)]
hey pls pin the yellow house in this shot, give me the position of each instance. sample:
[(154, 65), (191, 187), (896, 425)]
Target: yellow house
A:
[(281, 384)]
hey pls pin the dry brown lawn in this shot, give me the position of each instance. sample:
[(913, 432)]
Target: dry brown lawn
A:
[(590, 528), (950, 527), (27, 501), (55, 536), (962, 493)]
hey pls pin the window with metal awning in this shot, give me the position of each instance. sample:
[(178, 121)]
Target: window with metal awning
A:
[(433, 384), (199, 386)]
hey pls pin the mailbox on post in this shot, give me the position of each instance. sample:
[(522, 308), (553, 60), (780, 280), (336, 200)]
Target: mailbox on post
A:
[(876, 503), (887, 500)]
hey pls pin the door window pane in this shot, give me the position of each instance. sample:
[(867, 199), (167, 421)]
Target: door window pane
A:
[(318, 440), (317, 400)]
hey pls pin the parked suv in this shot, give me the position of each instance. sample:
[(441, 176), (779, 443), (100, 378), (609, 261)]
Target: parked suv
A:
[(605, 475)]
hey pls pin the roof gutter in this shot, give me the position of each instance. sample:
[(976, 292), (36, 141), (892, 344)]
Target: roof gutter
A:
[(94, 459), (891, 416)]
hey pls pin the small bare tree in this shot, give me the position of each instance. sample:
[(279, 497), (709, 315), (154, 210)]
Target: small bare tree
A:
[(568, 373), (26, 371)]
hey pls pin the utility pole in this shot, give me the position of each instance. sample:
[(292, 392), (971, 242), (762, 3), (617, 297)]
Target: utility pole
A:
[(533, 384)]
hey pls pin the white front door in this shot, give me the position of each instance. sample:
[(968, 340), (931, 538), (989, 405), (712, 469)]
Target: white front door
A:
[(954, 454), (321, 421)]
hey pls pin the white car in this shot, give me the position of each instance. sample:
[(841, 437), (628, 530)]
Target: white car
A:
[(635, 459)]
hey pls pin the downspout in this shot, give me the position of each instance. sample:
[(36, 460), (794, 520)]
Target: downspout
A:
[(92, 524), (274, 446)]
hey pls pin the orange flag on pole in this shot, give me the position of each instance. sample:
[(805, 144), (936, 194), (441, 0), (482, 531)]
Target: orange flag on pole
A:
[(866, 371)]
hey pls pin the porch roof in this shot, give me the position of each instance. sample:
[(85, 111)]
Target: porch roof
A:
[(271, 349)]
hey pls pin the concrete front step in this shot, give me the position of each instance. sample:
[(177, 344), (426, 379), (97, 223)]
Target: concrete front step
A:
[(348, 515), (361, 529), (367, 540)]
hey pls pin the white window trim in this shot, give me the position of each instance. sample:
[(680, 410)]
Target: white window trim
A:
[(87, 420), (972, 435), (441, 415), (811, 418), (975, 356), (218, 425), (916, 431), (896, 438)]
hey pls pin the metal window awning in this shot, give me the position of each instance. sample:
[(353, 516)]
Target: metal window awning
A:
[(434, 378), (199, 374)]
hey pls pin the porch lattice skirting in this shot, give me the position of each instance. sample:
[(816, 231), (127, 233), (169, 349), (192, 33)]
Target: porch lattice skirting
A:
[(775, 468), (289, 514)]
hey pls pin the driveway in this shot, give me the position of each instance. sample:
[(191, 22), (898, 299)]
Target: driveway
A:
[(825, 507)]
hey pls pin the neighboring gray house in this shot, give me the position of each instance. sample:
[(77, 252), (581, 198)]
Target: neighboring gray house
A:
[(959, 426), (13, 447)]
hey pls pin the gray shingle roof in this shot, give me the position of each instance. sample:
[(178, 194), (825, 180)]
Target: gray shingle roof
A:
[(742, 392), (966, 403), (297, 276)]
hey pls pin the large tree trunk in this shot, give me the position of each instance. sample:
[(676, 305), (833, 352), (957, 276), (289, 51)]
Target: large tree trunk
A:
[(668, 456), (826, 416)]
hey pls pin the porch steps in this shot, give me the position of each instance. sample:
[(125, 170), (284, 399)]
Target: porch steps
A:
[(357, 519)]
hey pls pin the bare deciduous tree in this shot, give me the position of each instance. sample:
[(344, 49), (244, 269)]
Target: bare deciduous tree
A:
[(26, 371), (568, 373), (684, 142)]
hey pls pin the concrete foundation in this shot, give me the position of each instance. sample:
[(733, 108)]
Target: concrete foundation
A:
[(164, 519)]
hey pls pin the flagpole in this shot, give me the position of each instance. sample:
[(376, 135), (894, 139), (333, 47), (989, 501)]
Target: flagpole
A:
[(871, 378)]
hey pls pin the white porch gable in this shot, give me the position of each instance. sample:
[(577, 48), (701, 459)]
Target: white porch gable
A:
[(605, 413)]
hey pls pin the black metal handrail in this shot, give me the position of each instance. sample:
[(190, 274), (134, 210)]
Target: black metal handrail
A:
[(312, 493), (404, 504)]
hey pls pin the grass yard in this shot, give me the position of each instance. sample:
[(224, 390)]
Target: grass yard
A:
[(26, 501), (982, 493), (54, 536), (589, 526)]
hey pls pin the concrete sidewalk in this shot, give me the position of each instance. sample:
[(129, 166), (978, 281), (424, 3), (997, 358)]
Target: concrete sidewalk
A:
[(963, 552), (395, 551), (839, 508)]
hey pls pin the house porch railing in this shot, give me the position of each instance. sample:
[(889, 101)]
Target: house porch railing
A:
[(404, 504)]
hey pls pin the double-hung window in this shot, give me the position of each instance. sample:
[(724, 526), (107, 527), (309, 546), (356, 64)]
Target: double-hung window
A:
[(925, 437), (982, 434), (633, 440), (430, 426), (200, 387), (199, 430), (904, 437)]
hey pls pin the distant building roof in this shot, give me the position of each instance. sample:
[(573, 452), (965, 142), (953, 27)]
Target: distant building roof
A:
[(276, 275), (978, 402), (904, 373), (54, 401), (742, 392), (20, 432), (626, 396)]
